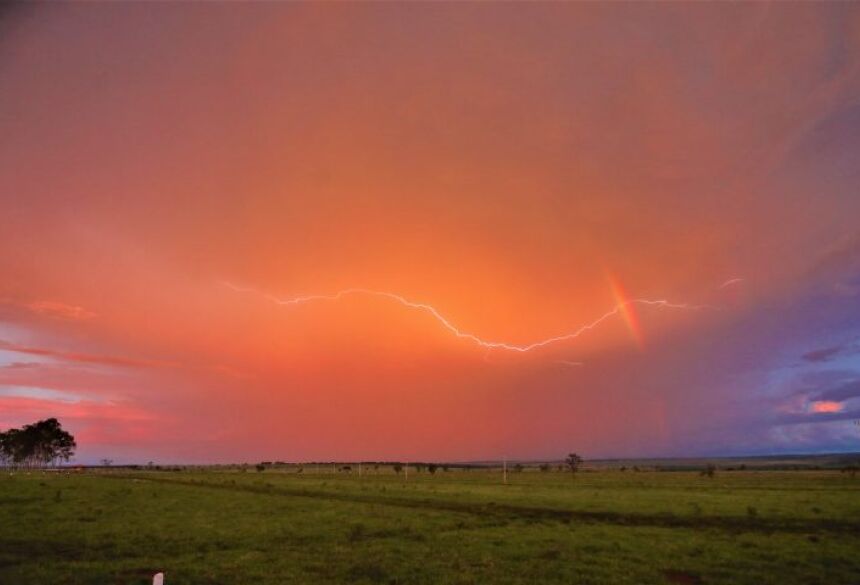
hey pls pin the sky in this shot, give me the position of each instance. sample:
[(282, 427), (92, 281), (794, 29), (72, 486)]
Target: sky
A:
[(453, 231)]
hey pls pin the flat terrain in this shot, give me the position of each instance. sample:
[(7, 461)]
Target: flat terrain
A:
[(607, 526)]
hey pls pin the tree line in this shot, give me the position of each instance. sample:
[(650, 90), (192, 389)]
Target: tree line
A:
[(40, 444)]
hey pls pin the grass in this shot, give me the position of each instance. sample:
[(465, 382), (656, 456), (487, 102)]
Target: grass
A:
[(607, 526)]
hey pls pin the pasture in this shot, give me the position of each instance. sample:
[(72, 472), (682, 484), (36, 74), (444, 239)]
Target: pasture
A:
[(226, 526)]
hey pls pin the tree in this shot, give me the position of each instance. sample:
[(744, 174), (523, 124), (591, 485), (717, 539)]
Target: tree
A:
[(709, 470), (432, 467), (518, 468), (37, 445), (573, 461), (545, 467), (398, 468)]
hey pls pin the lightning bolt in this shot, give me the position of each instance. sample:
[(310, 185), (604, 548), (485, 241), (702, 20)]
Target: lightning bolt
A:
[(485, 343)]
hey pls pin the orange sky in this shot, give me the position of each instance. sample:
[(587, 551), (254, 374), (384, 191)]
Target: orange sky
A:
[(520, 168)]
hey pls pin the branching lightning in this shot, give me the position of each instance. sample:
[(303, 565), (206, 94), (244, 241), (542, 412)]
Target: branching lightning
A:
[(485, 343)]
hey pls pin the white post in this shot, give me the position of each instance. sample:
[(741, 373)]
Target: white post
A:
[(158, 579)]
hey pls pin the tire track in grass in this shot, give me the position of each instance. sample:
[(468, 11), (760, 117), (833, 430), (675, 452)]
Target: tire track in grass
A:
[(530, 513)]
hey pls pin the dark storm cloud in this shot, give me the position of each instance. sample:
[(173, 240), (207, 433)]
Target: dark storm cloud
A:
[(821, 355), (817, 417), (840, 393)]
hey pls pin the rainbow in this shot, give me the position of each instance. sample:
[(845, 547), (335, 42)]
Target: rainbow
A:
[(627, 309)]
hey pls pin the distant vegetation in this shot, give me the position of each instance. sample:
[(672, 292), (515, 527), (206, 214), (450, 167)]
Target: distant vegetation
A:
[(573, 461), (36, 445)]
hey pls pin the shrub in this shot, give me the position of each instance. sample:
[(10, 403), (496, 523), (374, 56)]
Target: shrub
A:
[(573, 461)]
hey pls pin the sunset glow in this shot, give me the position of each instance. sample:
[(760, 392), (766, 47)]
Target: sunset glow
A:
[(826, 406), (289, 231)]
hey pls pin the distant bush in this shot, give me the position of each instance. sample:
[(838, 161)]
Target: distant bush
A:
[(432, 467), (518, 467), (545, 467), (709, 471), (398, 468), (260, 467), (573, 461)]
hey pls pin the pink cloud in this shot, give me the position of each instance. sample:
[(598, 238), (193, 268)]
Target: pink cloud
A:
[(826, 406), (96, 425), (86, 357), (50, 308), (59, 310)]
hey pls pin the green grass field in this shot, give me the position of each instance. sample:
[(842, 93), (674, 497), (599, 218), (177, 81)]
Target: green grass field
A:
[(606, 526)]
